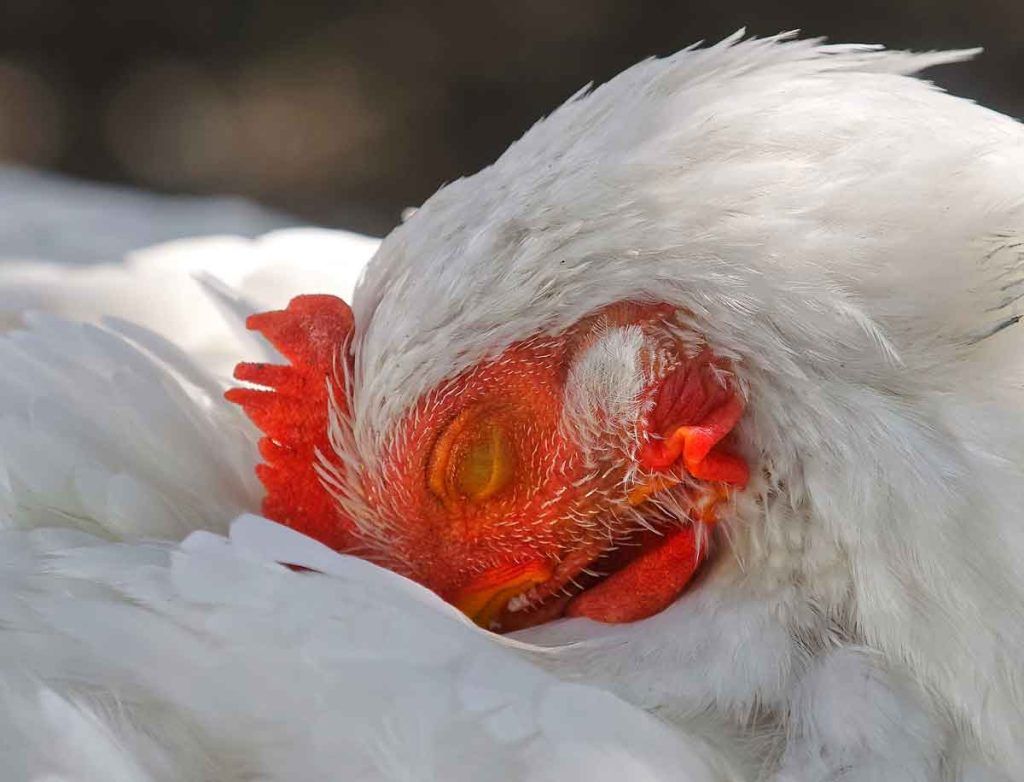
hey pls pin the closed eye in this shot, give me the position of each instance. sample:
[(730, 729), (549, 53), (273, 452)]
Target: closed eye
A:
[(473, 459)]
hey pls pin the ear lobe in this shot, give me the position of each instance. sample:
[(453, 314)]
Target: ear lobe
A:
[(695, 409)]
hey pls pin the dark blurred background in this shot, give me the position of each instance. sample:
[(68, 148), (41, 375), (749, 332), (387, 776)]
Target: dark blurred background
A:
[(343, 113)]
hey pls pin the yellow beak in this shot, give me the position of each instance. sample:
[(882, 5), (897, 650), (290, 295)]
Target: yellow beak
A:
[(486, 596)]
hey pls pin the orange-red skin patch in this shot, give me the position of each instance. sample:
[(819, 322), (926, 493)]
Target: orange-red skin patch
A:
[(694, 412), (647, 585)]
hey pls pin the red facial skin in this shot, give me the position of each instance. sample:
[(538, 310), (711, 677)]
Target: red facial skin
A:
[(483, 495)]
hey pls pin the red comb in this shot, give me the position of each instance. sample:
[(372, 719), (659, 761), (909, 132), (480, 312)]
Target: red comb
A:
[(293, 415)]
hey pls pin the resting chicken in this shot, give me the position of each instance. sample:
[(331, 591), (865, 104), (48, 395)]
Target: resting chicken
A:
[(702, 402)]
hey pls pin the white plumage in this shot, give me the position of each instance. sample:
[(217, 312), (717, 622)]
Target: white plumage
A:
[(162, 287), (152, 662), (848, 235)]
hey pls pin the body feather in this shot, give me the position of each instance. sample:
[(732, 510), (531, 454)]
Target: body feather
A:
[(847, 235)]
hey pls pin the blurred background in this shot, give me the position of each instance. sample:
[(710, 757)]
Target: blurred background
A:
[(343, 113)]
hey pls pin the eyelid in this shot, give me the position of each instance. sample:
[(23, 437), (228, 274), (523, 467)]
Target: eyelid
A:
[(490, 457), (453, 482)]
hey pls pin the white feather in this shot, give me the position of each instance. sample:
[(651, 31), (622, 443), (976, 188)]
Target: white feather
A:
[(216, 663), (849, 235), (162, 287), (118, 437)]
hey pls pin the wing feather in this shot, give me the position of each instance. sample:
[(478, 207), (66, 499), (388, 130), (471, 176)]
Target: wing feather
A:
[(122, 437), (206, 661), (195, 292)]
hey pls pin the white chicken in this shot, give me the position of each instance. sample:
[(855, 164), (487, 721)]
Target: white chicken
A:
[(719, 354)]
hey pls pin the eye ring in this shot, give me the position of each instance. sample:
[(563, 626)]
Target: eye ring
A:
[(473, 460)]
